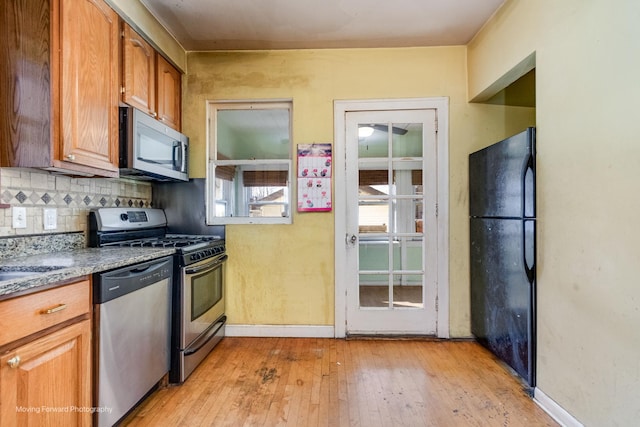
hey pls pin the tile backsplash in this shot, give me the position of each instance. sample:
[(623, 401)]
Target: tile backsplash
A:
[(71, 197)]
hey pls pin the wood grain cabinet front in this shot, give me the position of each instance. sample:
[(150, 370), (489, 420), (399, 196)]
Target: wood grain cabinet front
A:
[(47, 382), (169, 86), (138, 72), (45, 357), (60, 93), (28, 314), (150, 82)]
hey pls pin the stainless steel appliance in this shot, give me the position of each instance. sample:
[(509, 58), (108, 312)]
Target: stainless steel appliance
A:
[(198, 290), (200, 308), (149, 149), (132, 309), (503, 251)]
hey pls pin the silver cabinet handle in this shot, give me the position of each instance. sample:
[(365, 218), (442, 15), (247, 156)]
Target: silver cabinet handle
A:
[(71, 157), (14, 362)]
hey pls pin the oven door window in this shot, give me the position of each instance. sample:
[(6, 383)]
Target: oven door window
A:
[(206, 292)]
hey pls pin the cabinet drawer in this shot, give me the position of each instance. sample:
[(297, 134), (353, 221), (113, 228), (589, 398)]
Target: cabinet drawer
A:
[(25, 315)]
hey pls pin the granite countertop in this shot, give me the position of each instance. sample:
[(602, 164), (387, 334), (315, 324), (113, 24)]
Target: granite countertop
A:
[(54, 267)]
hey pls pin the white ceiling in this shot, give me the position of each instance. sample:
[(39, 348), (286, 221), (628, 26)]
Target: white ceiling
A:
[(304, 24)]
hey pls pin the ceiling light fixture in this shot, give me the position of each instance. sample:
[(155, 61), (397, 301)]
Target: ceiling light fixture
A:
[(365, 131)]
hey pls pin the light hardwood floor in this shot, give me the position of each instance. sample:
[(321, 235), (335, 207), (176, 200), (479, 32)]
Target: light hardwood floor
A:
[(333, 382)]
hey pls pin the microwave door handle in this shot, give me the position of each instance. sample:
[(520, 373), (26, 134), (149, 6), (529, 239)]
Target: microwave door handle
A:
[(177, 156), (183, 162)]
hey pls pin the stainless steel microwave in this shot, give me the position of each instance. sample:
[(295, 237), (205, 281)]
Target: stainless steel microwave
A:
[(149, 149)]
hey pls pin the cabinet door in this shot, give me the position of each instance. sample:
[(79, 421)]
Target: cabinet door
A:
[(169, 88), (89, 92), (50, 383), (139, 72), (25, 94)]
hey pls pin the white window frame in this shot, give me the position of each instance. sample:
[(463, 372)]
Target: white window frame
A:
[(212, 108)]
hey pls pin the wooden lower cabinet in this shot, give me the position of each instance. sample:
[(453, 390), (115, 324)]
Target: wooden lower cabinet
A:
[(48, 381)]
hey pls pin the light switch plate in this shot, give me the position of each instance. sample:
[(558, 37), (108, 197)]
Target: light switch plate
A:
[(19, 217), (50, 218)]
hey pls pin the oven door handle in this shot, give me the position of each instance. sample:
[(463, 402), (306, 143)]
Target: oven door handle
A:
[(206, 337), (208, 266)]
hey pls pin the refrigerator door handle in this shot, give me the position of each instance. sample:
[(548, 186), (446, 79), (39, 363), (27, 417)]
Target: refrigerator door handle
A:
[(528, 191), (528, 249)]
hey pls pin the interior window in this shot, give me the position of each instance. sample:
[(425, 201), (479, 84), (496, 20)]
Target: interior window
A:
[(249, 171)]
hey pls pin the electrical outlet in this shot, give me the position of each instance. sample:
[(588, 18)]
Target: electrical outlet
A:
[(19, 217), (50, 218)]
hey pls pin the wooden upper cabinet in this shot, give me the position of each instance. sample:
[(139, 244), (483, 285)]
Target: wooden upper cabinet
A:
[(25, 91), (60, 92), (89, 59), (149, 81), (169, 93), (139, 71)]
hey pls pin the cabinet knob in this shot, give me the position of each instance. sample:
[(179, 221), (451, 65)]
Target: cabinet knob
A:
[(14, 362), (71, 157)]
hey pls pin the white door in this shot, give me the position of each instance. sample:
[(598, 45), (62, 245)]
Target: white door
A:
[(391, 238)]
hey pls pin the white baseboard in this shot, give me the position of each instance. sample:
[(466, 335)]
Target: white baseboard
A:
[(280, 331), (556, 411)]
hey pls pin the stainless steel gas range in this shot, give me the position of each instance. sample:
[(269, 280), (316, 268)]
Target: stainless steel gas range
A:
[(198, 306)]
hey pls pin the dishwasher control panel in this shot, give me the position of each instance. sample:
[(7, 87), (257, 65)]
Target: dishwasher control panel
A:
[(116, 283)]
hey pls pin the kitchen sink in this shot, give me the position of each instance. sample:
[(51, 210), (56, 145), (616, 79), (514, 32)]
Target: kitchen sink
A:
[(10, 273)]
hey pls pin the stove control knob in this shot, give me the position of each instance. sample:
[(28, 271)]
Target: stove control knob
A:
[(124, 217)]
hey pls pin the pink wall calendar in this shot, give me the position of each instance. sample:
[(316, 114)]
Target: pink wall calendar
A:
[(314, 177)]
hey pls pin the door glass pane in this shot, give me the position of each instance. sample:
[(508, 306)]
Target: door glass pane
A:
[(407, 177), (407, 139), (373, 140), (373, 256), (407, 291), (373, 182), (406, 216), (419, 217), (374, 295), (373, 204), (408, 254)]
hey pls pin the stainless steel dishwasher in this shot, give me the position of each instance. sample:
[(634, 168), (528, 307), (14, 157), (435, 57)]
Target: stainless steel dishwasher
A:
[(132, 317)]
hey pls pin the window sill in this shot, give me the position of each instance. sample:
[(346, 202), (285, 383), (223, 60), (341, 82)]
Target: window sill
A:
[(250, 220)]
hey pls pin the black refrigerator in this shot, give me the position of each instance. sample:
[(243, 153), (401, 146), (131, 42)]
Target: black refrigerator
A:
[(502, 223)]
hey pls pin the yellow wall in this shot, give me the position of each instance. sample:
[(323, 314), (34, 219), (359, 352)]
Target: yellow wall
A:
[(587, 70), (284, 274)]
